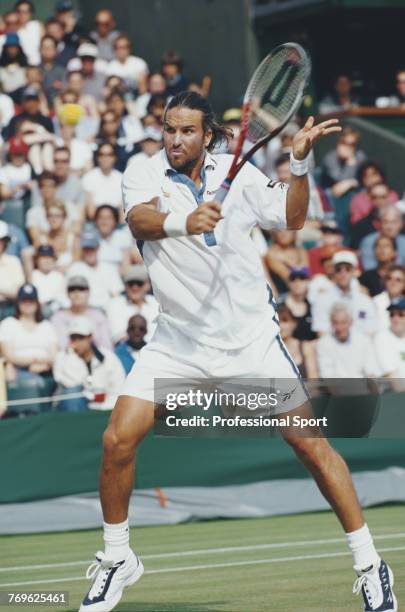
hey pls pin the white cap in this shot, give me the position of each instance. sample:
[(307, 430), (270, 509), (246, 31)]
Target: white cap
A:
[(347, 257), (4, 233), (81, 326), (87, 50)]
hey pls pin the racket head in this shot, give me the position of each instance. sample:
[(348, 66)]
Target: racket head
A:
[(275, 91)]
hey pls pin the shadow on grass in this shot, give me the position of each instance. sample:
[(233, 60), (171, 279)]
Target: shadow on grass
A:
[(178, 606)]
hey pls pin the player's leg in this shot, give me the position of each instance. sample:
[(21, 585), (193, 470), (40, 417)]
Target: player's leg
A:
[(333, 478), (118, 566), (130, 421), (329, 470)]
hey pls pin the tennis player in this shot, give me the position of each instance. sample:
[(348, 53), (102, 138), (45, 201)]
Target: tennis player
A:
[(216, 320)]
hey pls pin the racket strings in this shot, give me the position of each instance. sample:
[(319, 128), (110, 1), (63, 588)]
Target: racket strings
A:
[(276, 89)]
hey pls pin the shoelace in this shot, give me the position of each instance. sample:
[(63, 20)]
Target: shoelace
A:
[(99, 571), (365, 581)]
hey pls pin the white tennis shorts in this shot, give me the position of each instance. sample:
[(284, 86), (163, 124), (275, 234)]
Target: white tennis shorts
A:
[(171, 354)]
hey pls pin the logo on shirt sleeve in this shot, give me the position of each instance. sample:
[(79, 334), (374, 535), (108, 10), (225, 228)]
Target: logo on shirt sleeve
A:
[(271, 184)]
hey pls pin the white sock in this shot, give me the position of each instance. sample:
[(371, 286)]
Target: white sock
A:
[(116, 539), (362, 546)]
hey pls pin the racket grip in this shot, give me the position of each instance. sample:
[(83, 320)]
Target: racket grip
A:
[(220, 196)]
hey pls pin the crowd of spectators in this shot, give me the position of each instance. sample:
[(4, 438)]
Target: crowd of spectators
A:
[(76, 305)]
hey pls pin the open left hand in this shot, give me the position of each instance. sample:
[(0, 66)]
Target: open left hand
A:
[(310, 133)]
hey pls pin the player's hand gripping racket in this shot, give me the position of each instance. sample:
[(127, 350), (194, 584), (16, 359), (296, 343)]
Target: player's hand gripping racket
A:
[(273, 96)]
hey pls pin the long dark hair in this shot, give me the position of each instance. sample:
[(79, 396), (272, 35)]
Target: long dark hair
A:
[(20, 59), (38, 313), (194, 101)]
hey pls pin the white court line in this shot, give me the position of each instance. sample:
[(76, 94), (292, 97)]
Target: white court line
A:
[(192, 568), (204, 551)]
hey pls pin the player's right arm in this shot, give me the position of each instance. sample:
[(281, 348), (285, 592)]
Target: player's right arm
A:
[(147, 223)]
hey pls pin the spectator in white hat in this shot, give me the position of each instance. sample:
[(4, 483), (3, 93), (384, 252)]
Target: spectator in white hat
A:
[(344, 290), (91, 70), (85, 367), (135, 300), (150, 144)]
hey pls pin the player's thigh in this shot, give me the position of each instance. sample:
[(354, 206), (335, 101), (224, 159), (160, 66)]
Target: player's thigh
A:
[(129, 423)]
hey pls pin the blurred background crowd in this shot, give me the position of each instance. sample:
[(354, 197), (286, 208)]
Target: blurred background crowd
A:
[(76, 306)]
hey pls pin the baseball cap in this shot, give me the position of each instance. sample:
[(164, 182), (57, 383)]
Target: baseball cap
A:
[(17, 146), (89, 240), (30, 92), (12, 39), (27, 292), (302, 273), (81, 326), (347, 257), (4, 231), (63, 6), (78, 281), (151, 133), (136, 273), (397, 304), (46, 250), (87, 50)]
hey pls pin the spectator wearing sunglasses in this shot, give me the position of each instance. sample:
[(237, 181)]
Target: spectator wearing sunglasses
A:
[(344, 290), (128, 350), (135, 300), (78, 290), (390, 345)]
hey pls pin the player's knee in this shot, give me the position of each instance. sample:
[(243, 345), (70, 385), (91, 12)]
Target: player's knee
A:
[(116, 448)]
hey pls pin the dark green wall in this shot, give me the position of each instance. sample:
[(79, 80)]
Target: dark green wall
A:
[(212, 35)]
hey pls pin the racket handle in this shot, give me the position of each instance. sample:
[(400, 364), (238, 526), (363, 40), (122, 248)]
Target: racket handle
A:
[(220, 196)]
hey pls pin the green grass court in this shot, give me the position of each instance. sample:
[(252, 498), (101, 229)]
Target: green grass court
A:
[(295, 564)]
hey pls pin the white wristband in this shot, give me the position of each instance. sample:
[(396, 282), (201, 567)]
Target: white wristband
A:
[(299, 167), (175, 225)]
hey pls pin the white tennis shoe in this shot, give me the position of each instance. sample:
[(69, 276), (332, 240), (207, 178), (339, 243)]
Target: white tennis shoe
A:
[(375, 583), (109, 580)]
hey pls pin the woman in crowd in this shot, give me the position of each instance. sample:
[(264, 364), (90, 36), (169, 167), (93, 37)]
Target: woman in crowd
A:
[(116, 244), (27, 342), (385, 251), (369, 174), (13, 63), (303, 353), (110, 133), (283, 256), (64, 239), (297, 302)]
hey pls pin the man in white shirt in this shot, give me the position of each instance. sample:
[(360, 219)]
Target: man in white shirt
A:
[(344, 290), (215, 317), (104, 282), (345, 353), (83, 366), (390, 345), (102, 184), (135, 300)]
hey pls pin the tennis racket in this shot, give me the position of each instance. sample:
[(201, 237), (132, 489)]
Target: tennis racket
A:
[(273, 96)]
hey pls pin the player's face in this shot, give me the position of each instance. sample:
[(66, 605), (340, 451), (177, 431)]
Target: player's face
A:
[(184, 138)]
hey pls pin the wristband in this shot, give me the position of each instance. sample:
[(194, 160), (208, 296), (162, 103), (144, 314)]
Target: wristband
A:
[(299, 167), (175, 225)]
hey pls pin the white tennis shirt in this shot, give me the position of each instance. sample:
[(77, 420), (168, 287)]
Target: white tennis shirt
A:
[(216, 295)]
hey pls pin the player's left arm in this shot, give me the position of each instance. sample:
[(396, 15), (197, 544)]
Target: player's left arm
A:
[(298, 192)]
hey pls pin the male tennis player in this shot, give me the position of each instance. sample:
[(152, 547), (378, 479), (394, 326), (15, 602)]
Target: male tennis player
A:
[(215, 321)]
